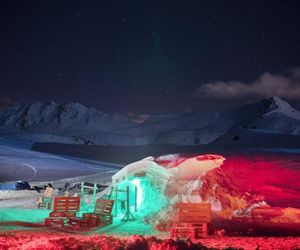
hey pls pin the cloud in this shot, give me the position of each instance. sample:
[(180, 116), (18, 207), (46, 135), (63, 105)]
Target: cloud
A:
[(268, 85)]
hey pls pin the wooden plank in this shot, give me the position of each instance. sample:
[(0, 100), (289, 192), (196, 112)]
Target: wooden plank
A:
[(194, 233), (200, 212), (102, 212), (192, 222)]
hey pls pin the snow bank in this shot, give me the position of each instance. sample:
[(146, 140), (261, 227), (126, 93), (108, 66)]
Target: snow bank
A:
[(16, 194), (145, 166)]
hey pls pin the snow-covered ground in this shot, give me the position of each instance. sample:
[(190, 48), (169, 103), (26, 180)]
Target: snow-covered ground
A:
[(51, 240), (237, 141), (268, 126), (18, 163)]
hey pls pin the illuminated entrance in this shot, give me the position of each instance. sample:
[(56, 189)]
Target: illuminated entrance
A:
[(146, 185)]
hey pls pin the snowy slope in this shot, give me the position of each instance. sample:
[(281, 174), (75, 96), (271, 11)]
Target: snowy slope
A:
[(202, 128), (75, 124), (281, 118), (17, 163)]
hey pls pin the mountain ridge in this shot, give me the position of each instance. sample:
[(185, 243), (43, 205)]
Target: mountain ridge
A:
[(54, 122)]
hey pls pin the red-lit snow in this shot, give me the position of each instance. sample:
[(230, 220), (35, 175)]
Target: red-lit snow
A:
[(55, 241)]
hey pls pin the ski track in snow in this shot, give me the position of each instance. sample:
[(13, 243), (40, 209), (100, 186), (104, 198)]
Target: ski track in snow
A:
[(32, 168), (15, 164)]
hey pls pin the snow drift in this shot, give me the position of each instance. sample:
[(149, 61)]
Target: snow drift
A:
[(234, 186)]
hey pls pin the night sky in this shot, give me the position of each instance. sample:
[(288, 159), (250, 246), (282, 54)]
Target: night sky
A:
[(149, 56)]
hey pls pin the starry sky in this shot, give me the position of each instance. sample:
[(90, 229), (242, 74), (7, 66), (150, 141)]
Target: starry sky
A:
[(149, 57)]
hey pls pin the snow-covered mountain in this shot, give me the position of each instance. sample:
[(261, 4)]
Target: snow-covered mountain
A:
[(281, 118), (75, 123), (52, 116)]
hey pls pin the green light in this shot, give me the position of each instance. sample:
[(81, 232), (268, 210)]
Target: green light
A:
[(24, 215), (146, 181), (146, 197), (139, 196)]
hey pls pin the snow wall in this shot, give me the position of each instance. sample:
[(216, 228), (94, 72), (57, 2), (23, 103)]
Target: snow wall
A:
[(157, 185)]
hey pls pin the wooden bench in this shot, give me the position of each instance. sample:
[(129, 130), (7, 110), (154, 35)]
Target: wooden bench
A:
[(46, 200), (192, 221), (64, 209), (265, 213), (101, 215)]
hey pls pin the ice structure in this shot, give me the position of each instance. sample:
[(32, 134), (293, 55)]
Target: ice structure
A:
[(157, 185), (251, 187)]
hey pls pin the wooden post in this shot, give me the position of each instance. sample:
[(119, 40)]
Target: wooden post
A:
[(135, 198), (116, 203), (95, 189), (94, 194), (128, 215), (82, 189)]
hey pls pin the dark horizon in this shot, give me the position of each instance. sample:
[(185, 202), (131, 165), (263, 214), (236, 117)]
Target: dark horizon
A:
[(150, 57)]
